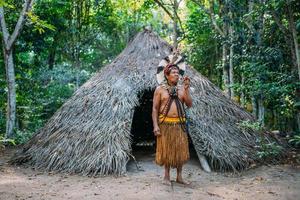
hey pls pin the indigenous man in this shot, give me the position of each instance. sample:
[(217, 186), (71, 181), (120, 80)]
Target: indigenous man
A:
[(169, 122)]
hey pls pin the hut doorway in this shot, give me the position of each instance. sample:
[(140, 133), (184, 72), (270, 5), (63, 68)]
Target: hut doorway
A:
[(143, 139), (142, 126)]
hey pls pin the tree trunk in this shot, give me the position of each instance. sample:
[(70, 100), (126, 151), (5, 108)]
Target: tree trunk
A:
[(260, 100), (298, 121), (298, 109), (231, 73), (290, 36), (11, 94), (52, 52), (291, 44), (51, 58), (77, 63), (261, 111), (225, 70), (292, 28), (243, 99), (296, 50), (226, 78), (175, 35), (254, 106), (8, 42), (175, 32)]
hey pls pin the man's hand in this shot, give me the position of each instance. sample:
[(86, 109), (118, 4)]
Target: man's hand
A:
[(186, 82), (177, 51), (156, 131)]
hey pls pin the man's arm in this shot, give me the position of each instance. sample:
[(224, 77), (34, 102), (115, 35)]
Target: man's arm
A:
[(186, 92), (155, 109), (187, 97)]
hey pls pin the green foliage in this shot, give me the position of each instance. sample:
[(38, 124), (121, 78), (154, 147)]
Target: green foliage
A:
[(5, 141), (266, 149), (61, 45), (64, 42), (39, 25), (43, 92), (202, 41), (295, 140), (5, 4), (252, 125), (262, 61), (22, 137)]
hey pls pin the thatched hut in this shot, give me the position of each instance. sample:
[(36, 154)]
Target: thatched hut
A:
[(92, 133)]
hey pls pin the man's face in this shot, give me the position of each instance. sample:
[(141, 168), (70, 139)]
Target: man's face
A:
[(173, 77)]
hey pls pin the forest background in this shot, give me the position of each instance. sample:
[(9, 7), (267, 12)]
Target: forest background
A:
[(250, 49)]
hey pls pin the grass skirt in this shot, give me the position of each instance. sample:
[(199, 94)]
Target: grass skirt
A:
[(172, 147)]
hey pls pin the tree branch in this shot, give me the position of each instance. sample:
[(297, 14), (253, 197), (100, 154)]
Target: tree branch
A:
[(213, 20), (164, 8), (248, 20), (162, 5), (4, 28), (26, 8), (202, 7), (180, 24), (278, 22), (210, 12)]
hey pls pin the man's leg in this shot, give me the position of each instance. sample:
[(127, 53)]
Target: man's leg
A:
[(179, 176), (167, 175)]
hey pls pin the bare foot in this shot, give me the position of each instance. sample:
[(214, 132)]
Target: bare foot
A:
[(167, 182), (180, 181)]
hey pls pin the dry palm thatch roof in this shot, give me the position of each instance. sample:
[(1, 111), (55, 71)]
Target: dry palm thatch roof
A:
[(90, 133)]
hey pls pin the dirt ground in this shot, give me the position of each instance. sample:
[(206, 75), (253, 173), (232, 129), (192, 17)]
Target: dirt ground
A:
[(264, 182)]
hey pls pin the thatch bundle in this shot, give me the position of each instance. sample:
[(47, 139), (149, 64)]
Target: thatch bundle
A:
[(90, 133)]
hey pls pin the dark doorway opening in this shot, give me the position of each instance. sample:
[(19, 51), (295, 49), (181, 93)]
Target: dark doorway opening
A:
[(142, 126), (143, 139)]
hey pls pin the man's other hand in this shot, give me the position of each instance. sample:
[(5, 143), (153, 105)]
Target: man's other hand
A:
[(156, 131)]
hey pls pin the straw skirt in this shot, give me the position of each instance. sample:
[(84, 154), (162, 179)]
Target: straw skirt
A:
[(172, 147)]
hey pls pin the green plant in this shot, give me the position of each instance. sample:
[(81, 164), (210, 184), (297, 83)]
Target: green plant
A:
[(295, 140), (22, 137), (252, 125), (269, 149), (266, 147), (4, 141)]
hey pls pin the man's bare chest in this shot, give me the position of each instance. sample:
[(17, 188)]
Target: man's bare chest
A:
[(165, 96)]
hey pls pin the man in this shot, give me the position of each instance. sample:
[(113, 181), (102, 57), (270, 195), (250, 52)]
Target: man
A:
[(169, 123)]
